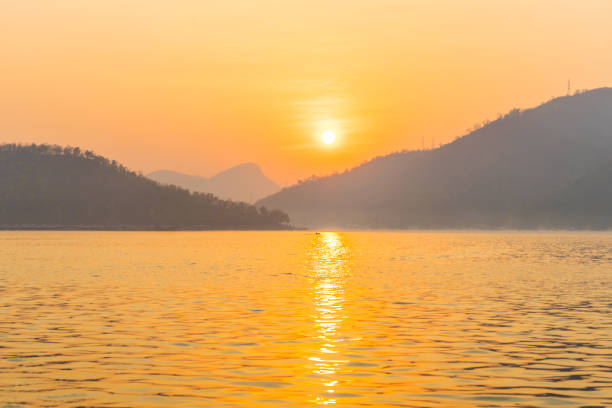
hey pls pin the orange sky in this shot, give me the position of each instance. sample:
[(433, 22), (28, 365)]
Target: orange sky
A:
[(197, 86)]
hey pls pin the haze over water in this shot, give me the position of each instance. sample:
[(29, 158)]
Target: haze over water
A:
[(260, 319)]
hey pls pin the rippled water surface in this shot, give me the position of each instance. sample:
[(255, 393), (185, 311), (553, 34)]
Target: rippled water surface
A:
[(263, 319)]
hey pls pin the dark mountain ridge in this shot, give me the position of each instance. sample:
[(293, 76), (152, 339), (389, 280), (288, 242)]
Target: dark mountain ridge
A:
[(63, 187), (515, 172)]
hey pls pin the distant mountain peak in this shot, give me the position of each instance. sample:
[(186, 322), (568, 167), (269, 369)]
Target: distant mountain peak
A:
[(242, 182), (248, 168), (247, 165)]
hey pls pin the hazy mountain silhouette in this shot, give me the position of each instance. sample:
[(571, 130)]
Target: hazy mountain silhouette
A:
[(543, 167), (587, 202), (42, 185), (245, 182)]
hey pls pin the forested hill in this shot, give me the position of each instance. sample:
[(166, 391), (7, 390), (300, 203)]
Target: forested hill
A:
[(53, 186), (546, 167)]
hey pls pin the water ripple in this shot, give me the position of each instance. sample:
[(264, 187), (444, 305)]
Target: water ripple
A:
[(260, 319)]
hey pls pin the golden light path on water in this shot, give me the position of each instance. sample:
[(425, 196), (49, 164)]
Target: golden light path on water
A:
[(329, 272)]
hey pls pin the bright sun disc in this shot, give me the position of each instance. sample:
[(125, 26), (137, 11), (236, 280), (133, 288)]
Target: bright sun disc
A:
[(328, 137)]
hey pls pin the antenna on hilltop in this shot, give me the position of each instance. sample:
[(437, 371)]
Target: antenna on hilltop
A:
[(569, 86)]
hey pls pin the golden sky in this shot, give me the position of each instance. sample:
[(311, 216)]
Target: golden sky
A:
[(197, 86)]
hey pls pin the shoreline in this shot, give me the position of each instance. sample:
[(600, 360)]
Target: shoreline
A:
[(287, 228), (134, 228)]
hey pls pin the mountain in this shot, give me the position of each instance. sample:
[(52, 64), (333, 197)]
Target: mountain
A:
[(541, 167), (587, 202), (245, 182), (53, 186)]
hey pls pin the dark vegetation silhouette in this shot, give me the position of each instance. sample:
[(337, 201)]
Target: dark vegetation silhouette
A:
[(52, 186), (547, 167), (244, 182)]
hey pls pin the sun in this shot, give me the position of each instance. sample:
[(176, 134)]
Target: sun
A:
[(328, 137)]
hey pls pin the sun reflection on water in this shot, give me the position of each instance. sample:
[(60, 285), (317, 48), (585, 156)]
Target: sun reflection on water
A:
[(329, 272)]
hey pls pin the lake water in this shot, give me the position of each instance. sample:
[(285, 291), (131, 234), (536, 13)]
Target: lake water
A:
[(291, 319)]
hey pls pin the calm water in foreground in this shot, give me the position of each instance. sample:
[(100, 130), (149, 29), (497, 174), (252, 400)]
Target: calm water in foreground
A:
[(291, 319)]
